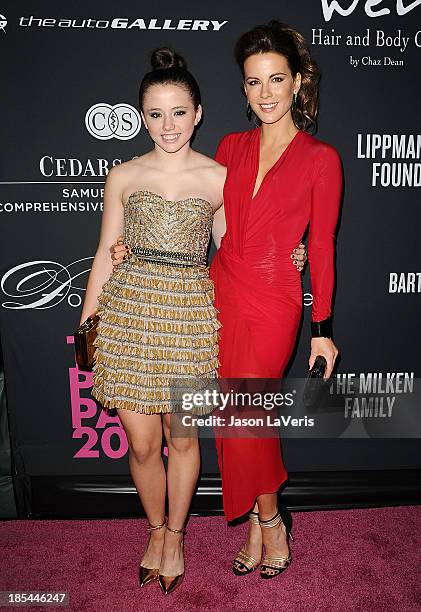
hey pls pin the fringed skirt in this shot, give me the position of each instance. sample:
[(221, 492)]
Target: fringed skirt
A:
[(158, 326)]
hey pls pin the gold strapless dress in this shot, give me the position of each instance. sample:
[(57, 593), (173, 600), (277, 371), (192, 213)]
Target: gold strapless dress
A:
[(158, 324)]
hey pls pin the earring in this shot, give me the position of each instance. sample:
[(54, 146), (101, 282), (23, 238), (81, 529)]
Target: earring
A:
[(294, 102), (249, 111)]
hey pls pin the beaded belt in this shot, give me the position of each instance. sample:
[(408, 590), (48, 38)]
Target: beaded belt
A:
[(171, 258)]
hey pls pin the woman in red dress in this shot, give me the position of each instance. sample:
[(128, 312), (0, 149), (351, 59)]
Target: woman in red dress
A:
[(279, 180)]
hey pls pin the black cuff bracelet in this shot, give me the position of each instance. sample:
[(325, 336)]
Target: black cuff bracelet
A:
[(321, 329)]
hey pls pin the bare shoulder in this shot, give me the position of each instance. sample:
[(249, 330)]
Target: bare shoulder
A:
[(220, 174), (202, 160), (208, 177), (122, 176), (124, 172), (209, 165), (213, 172)]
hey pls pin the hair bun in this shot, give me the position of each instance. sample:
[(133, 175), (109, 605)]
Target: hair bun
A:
[(167, 58)]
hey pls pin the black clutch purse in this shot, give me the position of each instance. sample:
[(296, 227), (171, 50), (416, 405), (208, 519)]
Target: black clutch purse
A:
[(84, 338), (315, 384), (319, 367)]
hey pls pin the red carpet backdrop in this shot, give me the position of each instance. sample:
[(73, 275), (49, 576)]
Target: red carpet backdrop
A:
[(70, 77)]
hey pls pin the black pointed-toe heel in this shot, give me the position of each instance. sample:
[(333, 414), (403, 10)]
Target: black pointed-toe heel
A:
[(150, 574)]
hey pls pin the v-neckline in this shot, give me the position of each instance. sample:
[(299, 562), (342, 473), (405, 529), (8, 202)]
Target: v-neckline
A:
[(272, 168)]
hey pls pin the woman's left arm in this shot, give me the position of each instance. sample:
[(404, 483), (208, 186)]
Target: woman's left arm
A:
[(219, 226), (325, 202)]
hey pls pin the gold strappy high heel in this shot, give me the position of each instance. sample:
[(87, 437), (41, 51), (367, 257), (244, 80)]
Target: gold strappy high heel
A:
[(244, 563), (169, 583), (149, 574), (273, 566)]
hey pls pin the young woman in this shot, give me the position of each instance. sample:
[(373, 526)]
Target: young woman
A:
[(157, 318), (158, 323)]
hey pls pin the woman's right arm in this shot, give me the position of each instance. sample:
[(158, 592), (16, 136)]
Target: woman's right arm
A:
[(112, 224)]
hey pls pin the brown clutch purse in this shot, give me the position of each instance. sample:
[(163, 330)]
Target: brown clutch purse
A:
[(84, 342)]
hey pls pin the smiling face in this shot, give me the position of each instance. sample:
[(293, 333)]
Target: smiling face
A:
[(269, 85), (169, 115)]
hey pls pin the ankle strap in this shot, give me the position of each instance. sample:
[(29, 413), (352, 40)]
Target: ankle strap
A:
[(271, 522), (254, 518), (182, 530), (154, 527)]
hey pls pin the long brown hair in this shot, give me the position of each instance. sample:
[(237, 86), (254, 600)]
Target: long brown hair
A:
[(281, 38)]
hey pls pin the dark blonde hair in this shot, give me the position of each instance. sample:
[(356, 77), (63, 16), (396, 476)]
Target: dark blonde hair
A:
[(280, 38)]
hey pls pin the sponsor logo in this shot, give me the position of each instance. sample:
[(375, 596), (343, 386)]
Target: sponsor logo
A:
[(87, 199), (50, 166), (72, 205), (104, 121), (122, 23), (377, 38), (3, 23), (405, 282), (97, 433), (379, 404), (394, 147), (44, 284), (371, 8)]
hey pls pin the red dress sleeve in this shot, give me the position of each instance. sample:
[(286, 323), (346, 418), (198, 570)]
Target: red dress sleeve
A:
[(325, 202)]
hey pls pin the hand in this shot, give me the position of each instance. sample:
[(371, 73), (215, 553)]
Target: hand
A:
[(85, 318), (299, 256), (326, 348), (118, 251)]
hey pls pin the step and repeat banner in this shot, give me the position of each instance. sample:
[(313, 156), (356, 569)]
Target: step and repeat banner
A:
[(69, 108)]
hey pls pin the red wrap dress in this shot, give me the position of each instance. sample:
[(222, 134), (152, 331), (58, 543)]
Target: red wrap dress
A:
[(258, 291)]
